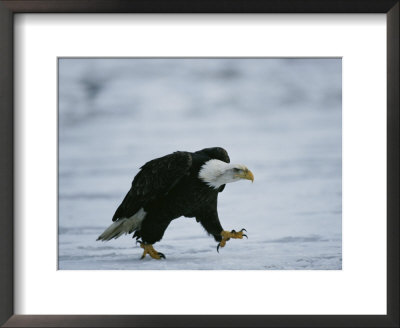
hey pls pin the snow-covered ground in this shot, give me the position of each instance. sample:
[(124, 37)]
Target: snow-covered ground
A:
[(279, 117)]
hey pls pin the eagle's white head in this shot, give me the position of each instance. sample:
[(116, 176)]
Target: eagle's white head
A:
[(217, 173)]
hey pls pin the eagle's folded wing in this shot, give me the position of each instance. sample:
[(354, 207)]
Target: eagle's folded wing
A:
[(155, 178)]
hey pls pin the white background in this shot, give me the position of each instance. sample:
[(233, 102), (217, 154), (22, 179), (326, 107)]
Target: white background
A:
[(360, 288)]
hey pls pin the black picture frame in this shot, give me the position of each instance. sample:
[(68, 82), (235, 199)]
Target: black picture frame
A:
[(10, 7)]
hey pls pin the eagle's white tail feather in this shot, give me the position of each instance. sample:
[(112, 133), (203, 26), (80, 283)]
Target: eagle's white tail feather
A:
[(123, 226)]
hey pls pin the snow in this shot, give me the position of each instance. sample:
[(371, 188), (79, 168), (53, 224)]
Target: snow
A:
[(279, 117)]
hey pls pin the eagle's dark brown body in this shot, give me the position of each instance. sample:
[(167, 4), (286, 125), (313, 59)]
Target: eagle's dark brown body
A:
[(169, 187)]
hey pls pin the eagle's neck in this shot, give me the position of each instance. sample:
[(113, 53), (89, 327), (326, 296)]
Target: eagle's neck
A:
[(215, 173)]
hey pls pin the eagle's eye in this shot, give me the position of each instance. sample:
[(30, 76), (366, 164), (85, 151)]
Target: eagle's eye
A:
[(236, 170)]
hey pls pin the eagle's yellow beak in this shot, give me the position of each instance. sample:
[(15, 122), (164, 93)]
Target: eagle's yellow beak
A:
[(247, 175)]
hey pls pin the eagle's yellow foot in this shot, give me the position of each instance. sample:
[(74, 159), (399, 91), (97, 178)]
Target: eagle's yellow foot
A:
[(148, 249), (226, 235)]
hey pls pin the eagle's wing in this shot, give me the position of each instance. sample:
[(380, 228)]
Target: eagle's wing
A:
[(155, 178)]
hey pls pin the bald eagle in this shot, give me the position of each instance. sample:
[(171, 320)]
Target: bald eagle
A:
[(179, 184)]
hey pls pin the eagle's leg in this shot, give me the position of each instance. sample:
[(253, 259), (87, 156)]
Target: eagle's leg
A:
[(210, 222), (149, 249), (226, 235), (152, 231)]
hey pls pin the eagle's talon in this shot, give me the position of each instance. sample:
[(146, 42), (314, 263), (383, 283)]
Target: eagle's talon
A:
[(226, 235), (222, 243), (148, 249)]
